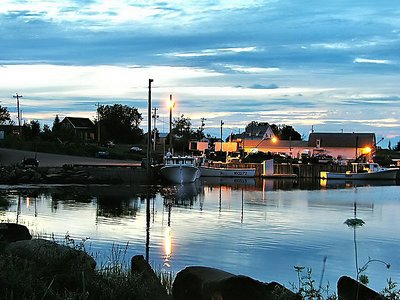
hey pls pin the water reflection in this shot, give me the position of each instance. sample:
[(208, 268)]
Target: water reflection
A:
[(184, 195), (347, 183), (167, 247), (249, 226)]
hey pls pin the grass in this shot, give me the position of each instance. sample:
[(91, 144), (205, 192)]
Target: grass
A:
[(25, 279)]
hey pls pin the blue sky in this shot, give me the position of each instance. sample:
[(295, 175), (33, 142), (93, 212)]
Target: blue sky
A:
[(332, 65)]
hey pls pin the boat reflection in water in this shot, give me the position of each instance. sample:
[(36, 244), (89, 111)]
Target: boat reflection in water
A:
[(234, 183), (348, 183), (180, 195)]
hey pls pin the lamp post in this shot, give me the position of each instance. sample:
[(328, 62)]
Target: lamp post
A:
[(171, 105), (222, 123), (149, 129)]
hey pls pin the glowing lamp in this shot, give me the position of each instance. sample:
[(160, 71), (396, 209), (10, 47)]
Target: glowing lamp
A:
[(171, 103), (367, 150), (274, 139)]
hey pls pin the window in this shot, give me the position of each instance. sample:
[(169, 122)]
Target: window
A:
[(318, 143)]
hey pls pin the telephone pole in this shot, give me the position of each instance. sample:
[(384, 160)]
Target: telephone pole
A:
[(19, 116), (171, 105), (98, 122)]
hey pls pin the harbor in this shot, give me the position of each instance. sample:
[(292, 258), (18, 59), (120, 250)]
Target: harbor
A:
[(225, 223)]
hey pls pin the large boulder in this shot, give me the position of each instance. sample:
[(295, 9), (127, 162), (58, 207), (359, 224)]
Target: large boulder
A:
[(11, 232), (350, 289), (204, 283), (66, 266), (142, 268)]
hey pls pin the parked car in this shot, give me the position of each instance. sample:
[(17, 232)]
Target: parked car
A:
[(30, 161), (102, 154), (135, 149)]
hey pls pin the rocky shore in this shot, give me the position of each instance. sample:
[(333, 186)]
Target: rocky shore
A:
[(53, 270), (68, 174)]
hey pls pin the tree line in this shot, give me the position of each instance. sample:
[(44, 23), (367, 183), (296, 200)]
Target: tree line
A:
[(121, 124)]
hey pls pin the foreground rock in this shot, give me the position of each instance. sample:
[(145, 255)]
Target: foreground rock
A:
[(142, 268), (350, 289), (61, 265), (11, 232), (203, 283)]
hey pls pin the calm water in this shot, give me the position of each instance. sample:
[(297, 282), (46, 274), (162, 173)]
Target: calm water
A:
[(256, 228)]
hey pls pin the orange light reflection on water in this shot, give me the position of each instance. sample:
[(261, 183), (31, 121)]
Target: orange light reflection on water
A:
[(167, 246)]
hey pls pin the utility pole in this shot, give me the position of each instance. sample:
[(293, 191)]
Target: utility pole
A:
[(98, 122), (149, 129), (171, 105), (222, 123), (19, 116), (155, 116)]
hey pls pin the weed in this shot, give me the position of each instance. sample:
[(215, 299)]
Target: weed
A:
[(391, 291), (307, 288)]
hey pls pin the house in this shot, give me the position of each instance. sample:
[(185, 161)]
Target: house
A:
[(82, 128), (9, 129), (338, 145), (342, 145), (257, 131), (293, 148)]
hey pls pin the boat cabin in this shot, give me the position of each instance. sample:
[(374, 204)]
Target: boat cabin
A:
[(180, 160), (365, 167)]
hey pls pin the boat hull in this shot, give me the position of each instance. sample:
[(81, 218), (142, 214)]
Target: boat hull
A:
[(180, 173), (390, 174), (226, 172)]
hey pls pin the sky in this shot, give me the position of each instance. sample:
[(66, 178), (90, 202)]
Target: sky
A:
[(328, 65)]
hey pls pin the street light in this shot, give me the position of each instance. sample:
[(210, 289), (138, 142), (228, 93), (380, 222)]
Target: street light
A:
[(149, 129), (222, 123), (171, 104)]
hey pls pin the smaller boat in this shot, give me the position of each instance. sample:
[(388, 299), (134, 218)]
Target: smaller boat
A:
[(227, 172), (365, 171), (180, 169)]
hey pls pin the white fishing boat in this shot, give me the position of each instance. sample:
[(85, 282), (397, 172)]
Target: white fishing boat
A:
[(364, 171), (180, 169), (207, 171)]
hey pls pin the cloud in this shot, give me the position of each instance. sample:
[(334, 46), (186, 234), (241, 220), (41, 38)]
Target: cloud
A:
[(372, 61), (250, 69), (266, 87)]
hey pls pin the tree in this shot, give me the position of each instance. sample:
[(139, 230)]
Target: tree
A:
[(183, 133), (282, 132), (4, 115), (120, 123), (56, 124), (31, 130), (286, 132), (397, 148), (46, 134), (199, 134)]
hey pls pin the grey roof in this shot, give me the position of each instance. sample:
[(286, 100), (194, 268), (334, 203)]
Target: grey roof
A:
[(349, 140), (79, 122)]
